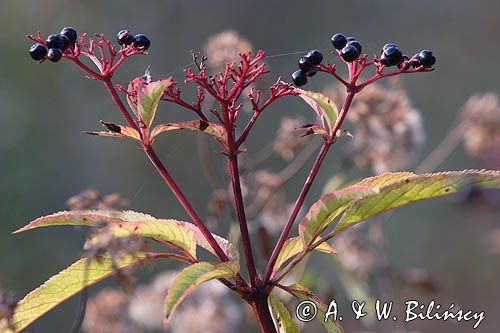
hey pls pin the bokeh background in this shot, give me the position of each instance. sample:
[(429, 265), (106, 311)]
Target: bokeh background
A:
[(45, 158)]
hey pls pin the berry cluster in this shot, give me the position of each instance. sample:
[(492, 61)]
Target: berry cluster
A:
[(57, 44), (54, 46), (124, 37), (349, 49), (308, 67)]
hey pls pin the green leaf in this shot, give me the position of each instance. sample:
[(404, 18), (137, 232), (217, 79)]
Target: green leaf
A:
[(311, 129), (206, 127), (282, 318), (323, 106), (327, 208), (402, 189), (194, 275), (303, 294), (149, 96), (170, 231), (118, 131), (178, 233), (294, 246), (64, 285)]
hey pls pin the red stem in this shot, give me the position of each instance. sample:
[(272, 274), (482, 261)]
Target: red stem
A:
[(240, 211), (296, 208), (123, 110), (261, 309)]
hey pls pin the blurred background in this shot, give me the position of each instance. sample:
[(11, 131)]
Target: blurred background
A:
[(45, 158)]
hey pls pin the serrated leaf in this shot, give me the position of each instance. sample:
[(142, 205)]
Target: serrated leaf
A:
[(323, 106), (170, 231), (327, 208), (64, 285), (403, 189), (282, 319), (118, 131), (304, 294), (206, 127), (184, 236), (149, 96), (194, 275), (294, 246)]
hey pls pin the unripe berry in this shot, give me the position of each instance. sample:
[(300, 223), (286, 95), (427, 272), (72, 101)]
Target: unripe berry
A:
[(56, 41), (304, 64), (299, 78), (392, 56), (314, 57), (70, 33), (355, 43), (339, 41), (143, 41), (426, 58), (124, 37), (349, 53), (54, 54), (38, 52)]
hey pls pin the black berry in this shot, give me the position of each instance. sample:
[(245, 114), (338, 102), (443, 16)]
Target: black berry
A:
[(70, 33), (339, 41), (299, 78), (65, 42), (415, 62), (56, 41), (388, 45), (426, 58), (349, 53), (314, 57), (54, 54), (143, 41), (38, 52), (356, 44), (304, 64), (392, 56), (124, 37)]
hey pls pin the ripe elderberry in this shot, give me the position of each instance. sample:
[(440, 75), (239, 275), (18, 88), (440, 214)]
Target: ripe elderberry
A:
[(70, 33), (314, 57), (426, 58), (57, 42), (54, 54), (38, 52), (124, 37), (349, 53), (299, 78), (305, 65), (354, 42), (392, 56), (143, 41), (339, 41)]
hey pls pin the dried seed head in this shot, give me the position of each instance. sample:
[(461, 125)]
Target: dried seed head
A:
[(7, 307), (107, 312), (86, 199), (224, 48), (387, 129), (480, 120), (287, 142)]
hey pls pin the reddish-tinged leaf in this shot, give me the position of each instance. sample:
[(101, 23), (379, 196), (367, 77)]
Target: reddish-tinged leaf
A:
[(206, 127), (402, 189)]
